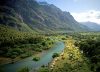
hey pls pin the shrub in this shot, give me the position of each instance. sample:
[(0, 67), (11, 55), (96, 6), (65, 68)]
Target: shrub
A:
[(43, 69), (36, 58), (55, 55), (26, 69), (23, 56)]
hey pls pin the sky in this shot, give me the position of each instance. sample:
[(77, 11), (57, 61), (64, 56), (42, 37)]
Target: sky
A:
[(82, 10)]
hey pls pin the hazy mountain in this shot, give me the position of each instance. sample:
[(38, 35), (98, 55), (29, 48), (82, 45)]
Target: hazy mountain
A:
[(92, 26), (28, 15)]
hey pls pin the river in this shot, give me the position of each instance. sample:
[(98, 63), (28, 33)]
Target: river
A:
[(45, 58)]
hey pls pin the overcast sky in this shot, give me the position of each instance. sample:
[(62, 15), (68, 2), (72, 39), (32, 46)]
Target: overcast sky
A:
[(82, 10)]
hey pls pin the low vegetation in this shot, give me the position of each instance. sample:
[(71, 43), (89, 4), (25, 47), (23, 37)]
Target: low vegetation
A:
[(36, 58), (81, 54), (55, 55), (91, 49), (21, 44), (70, 60), (43, 69), (25, 69)]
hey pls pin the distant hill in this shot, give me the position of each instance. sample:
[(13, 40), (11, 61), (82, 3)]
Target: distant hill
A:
[(92, 26), (29, 15)]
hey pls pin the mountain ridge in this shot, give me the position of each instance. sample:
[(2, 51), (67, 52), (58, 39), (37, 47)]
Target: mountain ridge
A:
[(92, 25), (29, 15)]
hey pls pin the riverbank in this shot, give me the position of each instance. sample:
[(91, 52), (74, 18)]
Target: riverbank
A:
[(71, 59), (4, 60), (45, 58), (29, 53)]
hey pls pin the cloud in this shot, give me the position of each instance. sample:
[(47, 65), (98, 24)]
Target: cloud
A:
[(92, 16), (98, 17)]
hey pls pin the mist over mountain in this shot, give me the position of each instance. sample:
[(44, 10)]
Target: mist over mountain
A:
[(29, 15), (92, 26)]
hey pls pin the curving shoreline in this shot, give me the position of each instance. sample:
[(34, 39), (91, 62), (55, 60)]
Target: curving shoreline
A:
[(45, 58)]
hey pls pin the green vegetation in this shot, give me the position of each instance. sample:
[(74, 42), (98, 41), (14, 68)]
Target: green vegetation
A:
[(70, 60), (91, 49), (43, 69), (20, 24), (1, 69), (23, 44), (25, 55), (81, 54), (33, 17), (25, 69), (36, 58), (55, 55)]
